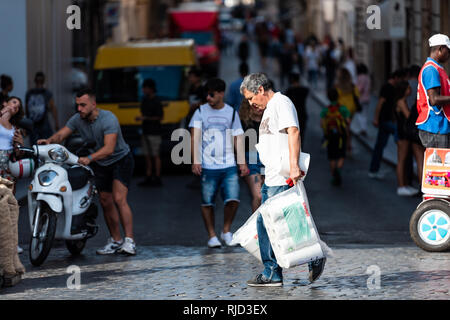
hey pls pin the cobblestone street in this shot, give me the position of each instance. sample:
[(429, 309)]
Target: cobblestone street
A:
[(193, 273)]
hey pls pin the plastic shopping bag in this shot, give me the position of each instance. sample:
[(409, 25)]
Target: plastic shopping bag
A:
[(282, 164), (291, 229), (293, 234), (247, 236)]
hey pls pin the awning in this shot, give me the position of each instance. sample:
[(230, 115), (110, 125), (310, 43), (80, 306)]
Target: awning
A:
[(195, 21)]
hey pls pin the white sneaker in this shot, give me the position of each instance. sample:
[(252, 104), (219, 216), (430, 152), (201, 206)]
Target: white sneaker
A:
[(19, 250), (406, 192), (214, 243), (110, 248), (128, 247), (376, 175), (412, 189), (227, 237)]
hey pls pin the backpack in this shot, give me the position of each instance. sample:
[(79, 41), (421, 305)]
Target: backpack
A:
[(334, 122), (37, 106), (232, 119)]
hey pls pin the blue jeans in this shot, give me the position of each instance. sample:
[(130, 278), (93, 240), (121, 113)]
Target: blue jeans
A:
[(227, 180), (271, 268), (385, 129), (255, 168)]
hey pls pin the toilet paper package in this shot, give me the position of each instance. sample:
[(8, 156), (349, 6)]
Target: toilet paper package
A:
[(290, 227), (290, 211)]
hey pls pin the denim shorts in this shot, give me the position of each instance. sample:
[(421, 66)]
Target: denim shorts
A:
[(255, 168), (227, 180)]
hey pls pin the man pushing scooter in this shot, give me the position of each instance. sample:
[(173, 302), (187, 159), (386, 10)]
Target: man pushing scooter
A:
[(429, 224), (433, 96)]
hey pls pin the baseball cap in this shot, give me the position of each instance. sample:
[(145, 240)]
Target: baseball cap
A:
[(439, 40)]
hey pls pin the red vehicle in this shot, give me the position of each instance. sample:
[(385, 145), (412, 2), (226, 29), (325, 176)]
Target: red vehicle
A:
[(199, 22)]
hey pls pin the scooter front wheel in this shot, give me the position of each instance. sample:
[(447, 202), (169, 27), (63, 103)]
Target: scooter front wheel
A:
[(41, 244), (430, 226)]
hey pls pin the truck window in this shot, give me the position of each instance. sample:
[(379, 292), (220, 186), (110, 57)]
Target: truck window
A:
[(125, 84), (169, 80), (117, 85)]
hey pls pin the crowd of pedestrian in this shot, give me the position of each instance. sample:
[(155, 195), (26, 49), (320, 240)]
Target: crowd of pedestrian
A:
[(220, 118), (335, 63), (394, 116)]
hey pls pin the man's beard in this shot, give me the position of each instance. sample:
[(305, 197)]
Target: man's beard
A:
[(86, 118)]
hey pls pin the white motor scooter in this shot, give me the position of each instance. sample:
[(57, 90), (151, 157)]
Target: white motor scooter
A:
[(60, 201)]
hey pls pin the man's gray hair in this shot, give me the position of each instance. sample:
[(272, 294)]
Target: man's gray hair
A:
[(254, 81)]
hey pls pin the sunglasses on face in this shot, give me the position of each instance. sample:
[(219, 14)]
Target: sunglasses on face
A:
[(211, 94)]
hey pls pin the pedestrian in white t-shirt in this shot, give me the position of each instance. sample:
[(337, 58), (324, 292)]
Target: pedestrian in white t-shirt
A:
[(278, 129), (312, 57), (216, 130)]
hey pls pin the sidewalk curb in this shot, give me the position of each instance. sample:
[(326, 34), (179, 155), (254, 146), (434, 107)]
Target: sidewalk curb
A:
[(365, 143)]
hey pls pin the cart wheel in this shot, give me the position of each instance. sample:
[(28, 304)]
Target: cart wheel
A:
[(430, 226)]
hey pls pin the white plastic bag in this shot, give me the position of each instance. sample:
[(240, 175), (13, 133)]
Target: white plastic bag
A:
[(288, 252), (247, 236), (291, 229)]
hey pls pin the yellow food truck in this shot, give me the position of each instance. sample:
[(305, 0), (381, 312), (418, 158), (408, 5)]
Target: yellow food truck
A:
[(120, 70)]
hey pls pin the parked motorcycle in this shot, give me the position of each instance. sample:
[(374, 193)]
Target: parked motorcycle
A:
[(60, 200)]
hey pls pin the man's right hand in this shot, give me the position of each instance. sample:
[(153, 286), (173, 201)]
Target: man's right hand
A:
[(197, 169), (43, 141)]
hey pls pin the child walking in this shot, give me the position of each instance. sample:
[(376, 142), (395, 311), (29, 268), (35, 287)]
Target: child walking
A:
[(335, 121)]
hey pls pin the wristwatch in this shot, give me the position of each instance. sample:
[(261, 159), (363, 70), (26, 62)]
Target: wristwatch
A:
[(90, 157)]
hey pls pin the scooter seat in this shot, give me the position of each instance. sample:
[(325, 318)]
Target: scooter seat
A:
[(78, 177)]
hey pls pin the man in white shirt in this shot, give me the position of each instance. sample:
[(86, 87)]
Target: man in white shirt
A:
[(215, 130), (279, 123)]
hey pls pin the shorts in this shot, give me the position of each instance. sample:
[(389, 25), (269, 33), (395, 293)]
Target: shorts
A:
[(431, 140), (255, 168), (151, 145), (227, 180), (337, 147), (121, 170)]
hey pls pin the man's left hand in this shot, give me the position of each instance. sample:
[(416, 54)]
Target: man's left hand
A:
[(84, 161), (243, 168)]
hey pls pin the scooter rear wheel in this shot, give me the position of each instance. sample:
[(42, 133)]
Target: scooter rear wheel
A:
[(75, 247), (40, 246), (430, 226)]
